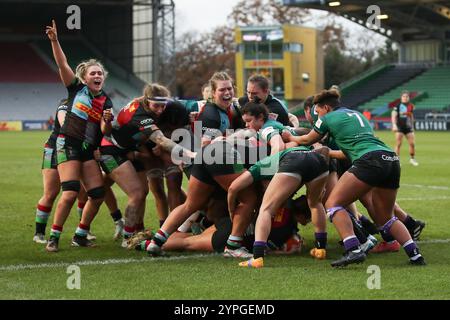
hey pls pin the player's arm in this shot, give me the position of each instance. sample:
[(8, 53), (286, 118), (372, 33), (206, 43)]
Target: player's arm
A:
[(241, 134), (65, 72), (242, 182), (305, 140), (294, 120), (106, 121), (61, 114), (300, 131), (276, 144), (168, 145), (337, 154), (394, 120), (107, 117)]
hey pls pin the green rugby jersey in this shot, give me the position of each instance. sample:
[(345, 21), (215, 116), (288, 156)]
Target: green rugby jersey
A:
[(266, 168), (351, 131), (190, 105), (314, 114), (328, 140), (272, 128)]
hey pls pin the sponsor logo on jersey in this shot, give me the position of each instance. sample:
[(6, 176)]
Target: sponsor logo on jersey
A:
[(93, 114)]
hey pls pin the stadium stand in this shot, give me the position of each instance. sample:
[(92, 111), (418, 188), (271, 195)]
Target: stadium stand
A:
[(377, 83), (30, 86), (19, 63), (432, 87)]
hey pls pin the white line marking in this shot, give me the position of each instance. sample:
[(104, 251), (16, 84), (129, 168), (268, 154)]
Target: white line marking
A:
[(434, 241), (424, 198), (428, 187), (19, 267)]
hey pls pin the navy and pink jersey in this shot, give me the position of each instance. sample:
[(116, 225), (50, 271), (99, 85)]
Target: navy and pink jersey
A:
[(85, 113)]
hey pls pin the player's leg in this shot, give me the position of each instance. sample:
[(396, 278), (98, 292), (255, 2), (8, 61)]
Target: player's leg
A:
[(314, 192), (130, 183), (243, 216), (70, 174), (398, 142), (156, 187), (411, 138), (383, 201), (197, 199), (348, 189), (281, 187), (52, 185), (93, 183)]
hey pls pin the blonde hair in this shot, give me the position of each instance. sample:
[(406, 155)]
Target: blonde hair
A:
[(152, 90), (219, 76), (81, 70)]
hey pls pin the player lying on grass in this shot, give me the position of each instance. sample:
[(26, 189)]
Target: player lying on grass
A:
[(283, 237)]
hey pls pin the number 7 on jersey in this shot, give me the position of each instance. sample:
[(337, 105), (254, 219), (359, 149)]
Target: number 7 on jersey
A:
[(358, 116)]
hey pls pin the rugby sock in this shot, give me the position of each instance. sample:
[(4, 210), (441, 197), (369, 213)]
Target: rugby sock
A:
[(321, 240), (80, 208), (82, 230), (409, 222), (144, 245), (368, 225), (412, 250), (234, 242), (128, 232), (358, 230), (259, 248), (116, 215), (160, 238), (351, 244), (56, 231), (42, 215), (387, 236)]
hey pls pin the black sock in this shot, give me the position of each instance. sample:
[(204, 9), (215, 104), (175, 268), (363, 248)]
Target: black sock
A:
[(259, 248), (116, 215), (40, 228), (410, 223), (387, 236), (368, 225), (358, 230)]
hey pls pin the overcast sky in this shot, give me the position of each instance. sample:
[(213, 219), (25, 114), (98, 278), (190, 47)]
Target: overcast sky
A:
[(201, 15), (204, 15)]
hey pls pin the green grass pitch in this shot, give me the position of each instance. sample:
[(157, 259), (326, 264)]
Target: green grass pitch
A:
[(109, 272)]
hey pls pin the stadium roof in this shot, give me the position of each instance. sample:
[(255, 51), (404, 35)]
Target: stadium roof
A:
[(86, 2), (403, 20)]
